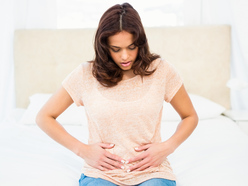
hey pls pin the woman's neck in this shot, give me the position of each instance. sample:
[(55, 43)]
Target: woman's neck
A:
[(127, 74)]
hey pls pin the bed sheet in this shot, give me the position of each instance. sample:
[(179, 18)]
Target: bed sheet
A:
[(215, 154), (29, 157)]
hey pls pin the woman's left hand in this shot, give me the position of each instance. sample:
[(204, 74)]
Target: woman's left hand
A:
[(153, 156)]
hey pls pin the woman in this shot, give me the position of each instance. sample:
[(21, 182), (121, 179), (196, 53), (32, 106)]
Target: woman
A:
[(122, 90)]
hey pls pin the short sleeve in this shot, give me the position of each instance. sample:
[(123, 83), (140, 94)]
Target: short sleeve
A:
[(173, 81), (73, 84)]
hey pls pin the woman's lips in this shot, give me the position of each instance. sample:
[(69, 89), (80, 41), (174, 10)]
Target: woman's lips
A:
[(126, 64)]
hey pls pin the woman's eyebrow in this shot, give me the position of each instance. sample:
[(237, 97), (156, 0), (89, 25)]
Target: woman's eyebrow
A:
[(120, 47), (114, 46)]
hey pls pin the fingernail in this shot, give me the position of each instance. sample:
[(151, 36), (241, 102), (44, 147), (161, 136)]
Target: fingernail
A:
[(136, 148), (123, 161), (128, 170), (112, 145), (126, 162), (122, 167)]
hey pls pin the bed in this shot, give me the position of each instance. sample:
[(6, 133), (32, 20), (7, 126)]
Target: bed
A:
[(215, 154)]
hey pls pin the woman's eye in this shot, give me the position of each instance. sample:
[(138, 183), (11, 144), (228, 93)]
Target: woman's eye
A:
[(132, 47), (115, 50)]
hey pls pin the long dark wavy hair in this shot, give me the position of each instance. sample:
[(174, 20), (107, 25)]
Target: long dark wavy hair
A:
[(116, 19)]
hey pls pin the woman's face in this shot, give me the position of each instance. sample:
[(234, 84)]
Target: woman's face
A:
[(122, 49)]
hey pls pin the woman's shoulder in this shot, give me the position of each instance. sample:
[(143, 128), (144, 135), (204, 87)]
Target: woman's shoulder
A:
[(163, 68), (83, 68), (159, 63), (82, 71)]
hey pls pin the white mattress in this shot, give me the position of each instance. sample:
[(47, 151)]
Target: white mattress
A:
[(215, 154)]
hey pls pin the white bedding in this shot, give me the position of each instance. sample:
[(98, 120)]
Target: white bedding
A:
[(215, 154)]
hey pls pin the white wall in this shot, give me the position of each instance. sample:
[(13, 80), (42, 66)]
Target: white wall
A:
[(15, 14)]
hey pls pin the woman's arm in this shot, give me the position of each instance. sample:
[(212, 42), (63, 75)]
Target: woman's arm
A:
[(184, 107), (94, 155), (46, 119), (155, 154)]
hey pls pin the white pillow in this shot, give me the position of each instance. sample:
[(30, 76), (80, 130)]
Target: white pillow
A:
[(204, 107), (73, 115)]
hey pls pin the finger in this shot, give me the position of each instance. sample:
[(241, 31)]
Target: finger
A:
[(107, 166), (114, 163), (140, 166), (102, 168), (142, 148), (106, 145), (115, 157), (136, 158), (146, 166)]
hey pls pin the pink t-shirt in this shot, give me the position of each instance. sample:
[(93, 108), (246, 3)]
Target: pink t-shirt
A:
[(127, 115)]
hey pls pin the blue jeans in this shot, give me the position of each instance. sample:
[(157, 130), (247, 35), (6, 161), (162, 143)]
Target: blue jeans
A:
[(89, 181)]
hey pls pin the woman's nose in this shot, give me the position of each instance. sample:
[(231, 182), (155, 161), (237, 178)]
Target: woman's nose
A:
[(124, 55)]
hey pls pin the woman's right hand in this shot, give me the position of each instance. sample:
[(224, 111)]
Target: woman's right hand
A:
[(96, 156)]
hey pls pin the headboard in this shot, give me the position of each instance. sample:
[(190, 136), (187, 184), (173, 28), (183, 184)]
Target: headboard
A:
[(201, 54)]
